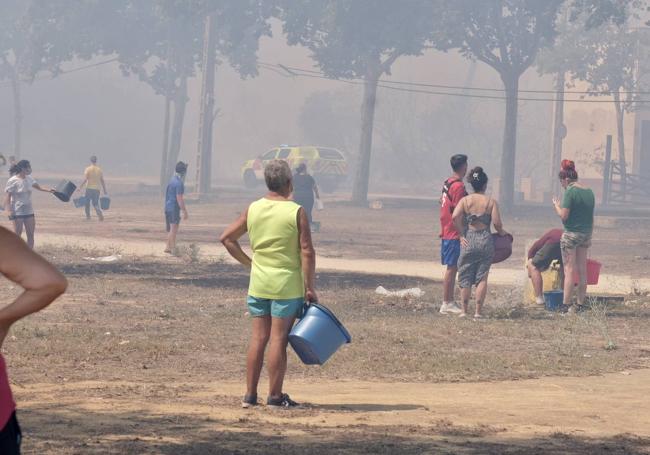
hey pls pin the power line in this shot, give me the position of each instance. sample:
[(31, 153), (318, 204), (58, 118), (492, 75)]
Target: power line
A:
[(60, 73), (384, 83), (458, 87), (92, 65), (274, 69)]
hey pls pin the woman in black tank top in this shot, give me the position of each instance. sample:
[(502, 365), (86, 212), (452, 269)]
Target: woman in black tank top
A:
[(477, 246)]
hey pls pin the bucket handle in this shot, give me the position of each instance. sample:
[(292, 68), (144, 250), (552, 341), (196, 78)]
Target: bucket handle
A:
[(303, 309)]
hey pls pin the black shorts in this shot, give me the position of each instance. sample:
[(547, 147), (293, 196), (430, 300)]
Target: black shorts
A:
[(173, 217), (546, 255), (10, 437)]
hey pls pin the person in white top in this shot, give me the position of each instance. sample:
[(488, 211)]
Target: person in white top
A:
[(18, 199)]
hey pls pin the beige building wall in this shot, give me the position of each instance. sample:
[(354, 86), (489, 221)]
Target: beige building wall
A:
[(588, 125)]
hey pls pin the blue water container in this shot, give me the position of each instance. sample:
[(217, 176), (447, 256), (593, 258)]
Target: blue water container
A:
[(105, 202), (318, 335), (553, 300), (79, 202)]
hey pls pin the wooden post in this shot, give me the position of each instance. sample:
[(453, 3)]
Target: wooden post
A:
[(362, 177), (607, 171)]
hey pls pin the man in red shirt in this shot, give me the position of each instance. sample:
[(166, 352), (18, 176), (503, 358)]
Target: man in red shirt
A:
[(453, 190), (540, 256)]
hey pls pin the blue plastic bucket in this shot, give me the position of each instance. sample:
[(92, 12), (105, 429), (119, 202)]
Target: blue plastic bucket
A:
[(79, 202), (318, 335), (553, 300), (105, 202)]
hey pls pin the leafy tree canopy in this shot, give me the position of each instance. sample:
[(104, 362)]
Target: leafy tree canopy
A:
[(347, 36), (505, 34)]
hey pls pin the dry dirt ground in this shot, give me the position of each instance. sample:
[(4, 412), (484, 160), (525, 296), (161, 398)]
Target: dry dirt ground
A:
[(403, 230), (145, 355)]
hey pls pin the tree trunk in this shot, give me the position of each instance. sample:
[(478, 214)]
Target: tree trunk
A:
[(165, 148), (18, 114), (507, 180), (180, 102), (361, 180), (558, 133), (620, 139), (206, 116)]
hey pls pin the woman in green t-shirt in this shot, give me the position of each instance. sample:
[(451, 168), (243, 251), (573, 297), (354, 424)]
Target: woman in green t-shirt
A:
[(577, 213)]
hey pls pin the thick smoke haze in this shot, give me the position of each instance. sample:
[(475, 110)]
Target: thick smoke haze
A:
[(120, 119)]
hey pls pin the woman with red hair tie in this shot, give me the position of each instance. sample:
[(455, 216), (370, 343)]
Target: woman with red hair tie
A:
[(577, 213)]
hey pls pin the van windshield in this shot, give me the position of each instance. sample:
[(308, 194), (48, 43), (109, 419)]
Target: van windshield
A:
[(269, 155)]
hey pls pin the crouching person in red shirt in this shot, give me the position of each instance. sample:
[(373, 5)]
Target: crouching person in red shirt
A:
[(42, 284), (540, 256)]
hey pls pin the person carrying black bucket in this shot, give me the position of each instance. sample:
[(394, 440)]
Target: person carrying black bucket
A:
[(281, 280), (93, 180), (18, 199)]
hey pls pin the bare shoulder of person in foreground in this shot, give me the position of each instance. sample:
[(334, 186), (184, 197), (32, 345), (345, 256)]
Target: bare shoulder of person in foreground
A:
[(41, 281)]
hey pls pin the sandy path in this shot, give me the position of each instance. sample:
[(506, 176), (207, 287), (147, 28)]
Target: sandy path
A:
[(599, 406), (608, 284)]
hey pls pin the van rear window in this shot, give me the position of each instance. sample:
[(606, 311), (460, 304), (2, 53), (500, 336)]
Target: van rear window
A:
[(330, 154)]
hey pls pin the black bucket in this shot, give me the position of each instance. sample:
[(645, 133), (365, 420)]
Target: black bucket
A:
[(65, 190), (105, 202)]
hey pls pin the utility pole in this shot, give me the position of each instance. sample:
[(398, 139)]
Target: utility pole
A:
[(164, 165), (206, 115), (169, 83), (559, 133), (607, 172), (18, 114)]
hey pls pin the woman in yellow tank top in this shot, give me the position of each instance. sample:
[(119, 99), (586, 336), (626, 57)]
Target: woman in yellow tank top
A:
[(282, 277)]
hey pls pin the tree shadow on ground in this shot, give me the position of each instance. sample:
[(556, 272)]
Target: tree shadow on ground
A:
[(229, 276), (66, 430), (366, 407)]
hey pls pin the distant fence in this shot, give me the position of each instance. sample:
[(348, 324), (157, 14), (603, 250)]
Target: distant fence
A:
[(622, 187)]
